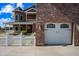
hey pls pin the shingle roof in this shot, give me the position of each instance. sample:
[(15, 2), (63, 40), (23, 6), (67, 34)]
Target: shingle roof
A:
[(34, 6), (18, 9)]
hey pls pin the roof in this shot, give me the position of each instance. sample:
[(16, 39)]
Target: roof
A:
[(18, 9), (34, 6)]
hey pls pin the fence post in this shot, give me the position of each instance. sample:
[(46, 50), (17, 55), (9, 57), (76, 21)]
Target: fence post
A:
[(34, 40), (21, 39), (6, 37)]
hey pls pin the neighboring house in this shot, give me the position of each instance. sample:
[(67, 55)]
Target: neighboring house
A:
[(24, 19), (54, 24), (8, 27)]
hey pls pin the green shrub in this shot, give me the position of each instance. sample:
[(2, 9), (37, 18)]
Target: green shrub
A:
[(33, 33), (24, 32)]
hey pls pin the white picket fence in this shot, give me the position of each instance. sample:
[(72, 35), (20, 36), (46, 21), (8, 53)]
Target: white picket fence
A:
[(18, 40)]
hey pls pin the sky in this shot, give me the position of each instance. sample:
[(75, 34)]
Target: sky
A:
[(6, 11)]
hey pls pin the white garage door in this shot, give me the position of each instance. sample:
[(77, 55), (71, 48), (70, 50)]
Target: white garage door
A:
[(58, 33)]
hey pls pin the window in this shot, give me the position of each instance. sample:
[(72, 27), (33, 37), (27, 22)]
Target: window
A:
[(31, 16), (51, 26), (11, 28), (17, 17), (16, 28), (64, 26), (21, 28), (21, 18)]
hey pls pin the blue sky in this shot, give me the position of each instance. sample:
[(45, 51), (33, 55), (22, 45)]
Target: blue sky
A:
[(6, 11)]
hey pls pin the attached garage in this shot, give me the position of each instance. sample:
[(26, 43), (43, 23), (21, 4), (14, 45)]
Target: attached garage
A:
[(57, 24), (58, 33)]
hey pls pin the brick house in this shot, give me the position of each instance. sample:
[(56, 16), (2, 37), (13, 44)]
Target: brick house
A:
[(54, 24)]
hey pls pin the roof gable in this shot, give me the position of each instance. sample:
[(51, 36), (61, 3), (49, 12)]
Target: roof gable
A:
[(32, 8), (18, 9)]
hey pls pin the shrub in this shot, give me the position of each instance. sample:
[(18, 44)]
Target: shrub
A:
[(24, 32)]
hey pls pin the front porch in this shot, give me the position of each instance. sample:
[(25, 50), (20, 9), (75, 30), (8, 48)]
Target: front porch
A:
[(25, 27)]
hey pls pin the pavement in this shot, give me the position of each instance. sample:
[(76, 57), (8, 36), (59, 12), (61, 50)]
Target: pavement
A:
[(39, 51)]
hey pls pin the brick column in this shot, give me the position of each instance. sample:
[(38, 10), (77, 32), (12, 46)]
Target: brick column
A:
[(76, 35), (39, 34)]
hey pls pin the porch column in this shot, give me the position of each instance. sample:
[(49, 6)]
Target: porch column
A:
[(26, 16), (26, 27), (26, 21), (19, 28)]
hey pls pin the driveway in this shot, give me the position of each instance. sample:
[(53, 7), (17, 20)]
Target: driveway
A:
[(40, 51)]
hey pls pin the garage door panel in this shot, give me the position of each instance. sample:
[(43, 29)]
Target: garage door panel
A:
[(58, 34)]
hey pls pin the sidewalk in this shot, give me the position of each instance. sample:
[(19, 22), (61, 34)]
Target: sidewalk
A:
[(40, 51)]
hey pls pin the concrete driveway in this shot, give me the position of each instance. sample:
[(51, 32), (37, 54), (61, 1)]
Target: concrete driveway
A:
[(40, 51)]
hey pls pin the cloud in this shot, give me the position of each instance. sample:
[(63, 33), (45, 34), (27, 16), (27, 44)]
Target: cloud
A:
[(7, 9), (20, 5), (5, 20)]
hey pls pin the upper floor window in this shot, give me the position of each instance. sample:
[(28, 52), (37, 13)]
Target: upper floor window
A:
[(21, 17), (16, 16), (31, 16)]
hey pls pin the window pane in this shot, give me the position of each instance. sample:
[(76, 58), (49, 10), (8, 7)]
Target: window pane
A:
[(17, 16), (31, 16), (21, 18), (64, 26), (51, 26), (16, 28), (21, 28)]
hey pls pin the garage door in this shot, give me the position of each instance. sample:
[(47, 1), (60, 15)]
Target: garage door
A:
[(58, 33)]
